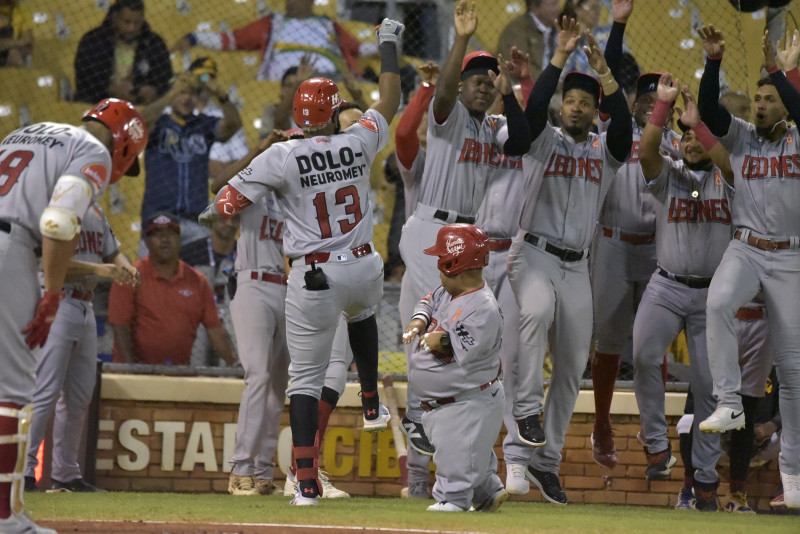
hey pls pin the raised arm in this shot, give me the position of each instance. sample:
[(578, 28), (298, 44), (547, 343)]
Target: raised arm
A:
[(519, 66), (649, 157), (231, 121), (389, 81), (536, 111), (717, 118), (444, 100), (621, 10), (619, 137), (789, 95), (787, 56), (406, 141), (518, 144), (691, 118)]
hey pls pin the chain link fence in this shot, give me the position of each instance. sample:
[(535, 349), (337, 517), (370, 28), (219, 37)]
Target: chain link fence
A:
[(84, 50)]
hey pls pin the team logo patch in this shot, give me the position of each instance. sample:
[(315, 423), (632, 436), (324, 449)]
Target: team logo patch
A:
[(454, 245), (369, 123), (96, 173), (186, 292), (717, 179), (596, 143), (136, 130), (676, 144), (789, 138)]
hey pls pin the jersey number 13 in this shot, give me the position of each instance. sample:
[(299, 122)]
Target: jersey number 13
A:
[(347, 196)]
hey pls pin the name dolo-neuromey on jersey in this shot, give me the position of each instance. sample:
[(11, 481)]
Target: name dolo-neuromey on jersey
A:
[(39, 134), (328, 167)]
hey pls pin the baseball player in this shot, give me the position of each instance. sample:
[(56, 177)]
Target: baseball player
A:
[(462, 143), (322, 185), (50, 174), (65, 375), (456, 368), (764, 252), (693, 227), (571, 170), (624, 252)]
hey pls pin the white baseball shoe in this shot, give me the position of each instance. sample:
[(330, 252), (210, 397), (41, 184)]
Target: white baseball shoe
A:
[(22, 524), (445, 506), (791, 490), (516, 483), (380, 422), (290, 486), (299, 500), (242, 485), (329, 491), (722, 420)]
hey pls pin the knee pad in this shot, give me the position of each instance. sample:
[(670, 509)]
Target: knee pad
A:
[(16, 478)]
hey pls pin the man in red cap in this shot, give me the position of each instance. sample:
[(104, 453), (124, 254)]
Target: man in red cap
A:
[(463, 147)]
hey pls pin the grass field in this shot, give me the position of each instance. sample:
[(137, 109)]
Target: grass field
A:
[(513, 517)]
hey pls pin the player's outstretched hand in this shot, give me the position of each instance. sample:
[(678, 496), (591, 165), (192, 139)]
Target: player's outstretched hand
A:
[(413, 330), (569, 34), (713, 42), (594, 54), (691, 115), (769, 52), (124, 275), (389, 31), (39, 328), (432, 342), (621, 10), (429, 72), (502, 81), (465, 19), (668, 88), (519, 64), (788, 53)]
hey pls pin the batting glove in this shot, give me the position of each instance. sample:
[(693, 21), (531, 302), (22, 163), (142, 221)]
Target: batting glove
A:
[(209, 216), (39, 328), (389, 31)]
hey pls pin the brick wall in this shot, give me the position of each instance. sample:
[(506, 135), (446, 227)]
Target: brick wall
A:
[(360, 463)]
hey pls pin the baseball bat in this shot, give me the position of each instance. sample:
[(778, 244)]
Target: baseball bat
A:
[(399, 442)]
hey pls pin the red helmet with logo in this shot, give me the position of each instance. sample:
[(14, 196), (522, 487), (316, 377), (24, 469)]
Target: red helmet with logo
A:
[(128, 130), (315, 101), (460, 247)]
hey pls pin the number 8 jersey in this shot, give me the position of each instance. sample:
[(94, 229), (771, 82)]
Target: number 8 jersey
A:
[(322, 184)]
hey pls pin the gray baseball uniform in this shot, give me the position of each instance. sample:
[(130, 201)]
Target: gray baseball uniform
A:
[(322, 186), (259, 321), (65, 375), (755, 354), (548, 271), (461, 393), (624, 253), (498, 216), (462, 151), (32, 159), (693, 227)]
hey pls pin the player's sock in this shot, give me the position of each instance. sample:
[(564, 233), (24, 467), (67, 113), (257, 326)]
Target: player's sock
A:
[(364, 342), (327, 403), (605, 368), (304, 417), (741, 448), (9, 426)]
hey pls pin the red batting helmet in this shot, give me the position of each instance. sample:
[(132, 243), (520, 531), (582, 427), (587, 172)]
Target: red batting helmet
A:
[(314, 102), (460, 247), (128, 130)]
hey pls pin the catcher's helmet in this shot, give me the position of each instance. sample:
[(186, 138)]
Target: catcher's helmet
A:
[(128, 130), (315, 101), (460, 247)]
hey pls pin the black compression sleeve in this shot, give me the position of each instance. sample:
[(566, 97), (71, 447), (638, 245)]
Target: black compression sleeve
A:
[(620, 130), (789, 95), (716, 117), (520, 143), (538, 102)]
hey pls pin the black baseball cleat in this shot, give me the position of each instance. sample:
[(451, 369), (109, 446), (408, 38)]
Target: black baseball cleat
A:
[(659, 465), (530, 431), (548, 484), (415, 434), (77, 485), (30, 484), (705, 496)]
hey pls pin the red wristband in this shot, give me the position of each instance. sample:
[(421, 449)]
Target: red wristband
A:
[(660, 114), (705, 136), (774, 69)]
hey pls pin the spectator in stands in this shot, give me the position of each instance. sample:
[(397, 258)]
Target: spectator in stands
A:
[(533, 33), (176, 159), (204, 69), (279, 116), (157, 323), (16, 34), (283, 39), (587, 13), (737, 103), (122, 58)]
